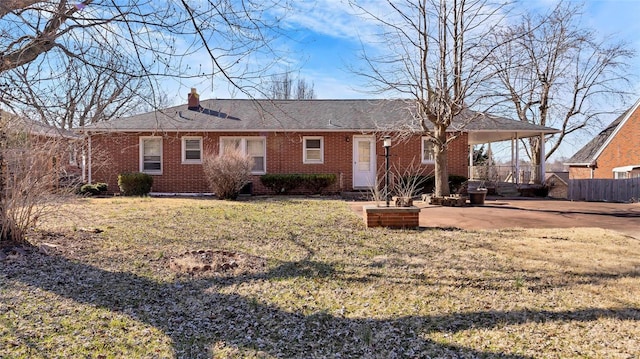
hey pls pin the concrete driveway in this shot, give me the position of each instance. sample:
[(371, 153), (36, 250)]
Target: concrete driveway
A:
[(531, 213)]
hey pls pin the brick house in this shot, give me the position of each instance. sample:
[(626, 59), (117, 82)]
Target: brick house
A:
[(342, 137), (30, 144), (613, 153)]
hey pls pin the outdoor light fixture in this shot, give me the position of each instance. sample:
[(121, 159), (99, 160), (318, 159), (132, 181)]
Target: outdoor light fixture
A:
[(386, 143)]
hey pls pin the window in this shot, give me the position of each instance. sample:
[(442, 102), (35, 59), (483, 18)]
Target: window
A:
[(151, 155), (192, 150), (427, 150), (255, 147), (620, 175), (313, 151), (73, 154)]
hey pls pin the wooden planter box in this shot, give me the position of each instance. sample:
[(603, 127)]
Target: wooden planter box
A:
[(391, 217)]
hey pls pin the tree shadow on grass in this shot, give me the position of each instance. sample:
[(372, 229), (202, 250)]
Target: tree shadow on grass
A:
[(198, 313)]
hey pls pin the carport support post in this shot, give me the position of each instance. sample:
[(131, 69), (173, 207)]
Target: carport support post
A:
[(543, 160), (517, 147), (386, 144), (471, 147)]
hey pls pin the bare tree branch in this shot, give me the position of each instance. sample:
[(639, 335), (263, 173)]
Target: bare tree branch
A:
[(556, 74), (432, 57)]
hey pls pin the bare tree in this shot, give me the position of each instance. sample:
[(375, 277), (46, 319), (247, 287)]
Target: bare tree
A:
[(110, 49), (304, 90), (169, 38), (75, 95), (556, 73), (34, 163), (282, 88), (433, 57)]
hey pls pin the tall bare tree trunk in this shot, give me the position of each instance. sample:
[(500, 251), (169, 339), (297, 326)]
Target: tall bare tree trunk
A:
[(3, 175), (536, 160), (441, 159)]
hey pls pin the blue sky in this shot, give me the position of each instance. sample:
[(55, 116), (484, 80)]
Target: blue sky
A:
[(329, 38)]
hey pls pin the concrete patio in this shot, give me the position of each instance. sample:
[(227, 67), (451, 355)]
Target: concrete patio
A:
[(500, 213)]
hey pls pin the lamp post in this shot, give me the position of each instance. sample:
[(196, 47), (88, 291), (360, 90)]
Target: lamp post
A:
[(386, 144)]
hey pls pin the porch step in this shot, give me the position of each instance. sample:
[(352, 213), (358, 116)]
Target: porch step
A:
[(507, 189)]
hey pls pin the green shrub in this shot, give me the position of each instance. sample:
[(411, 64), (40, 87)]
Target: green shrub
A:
[(281, 183), (316, 183), (101, 186), (88, 189), (286, 183), (135, 184)]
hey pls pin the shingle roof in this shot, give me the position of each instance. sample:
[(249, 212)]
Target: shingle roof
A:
[(36, 128), (299, 115), (561, 175), (588, 154)]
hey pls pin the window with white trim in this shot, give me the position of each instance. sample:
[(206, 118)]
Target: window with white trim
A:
[(254, 147), (313, 149), (151, 155), (192, 150), (427, 151), (620, 175)]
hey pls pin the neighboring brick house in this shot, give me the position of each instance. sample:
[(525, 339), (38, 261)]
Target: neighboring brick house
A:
[(613, 153), (28, 139), (342, 137)]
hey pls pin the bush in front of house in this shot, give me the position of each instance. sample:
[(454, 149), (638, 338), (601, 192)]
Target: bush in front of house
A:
[(135, 183), (281, 183), (227, 173), (317, 183), (101, 186), (93, 189), (287, 182)]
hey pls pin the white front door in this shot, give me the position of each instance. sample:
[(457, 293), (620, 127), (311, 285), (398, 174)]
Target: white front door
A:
[(364, 161)]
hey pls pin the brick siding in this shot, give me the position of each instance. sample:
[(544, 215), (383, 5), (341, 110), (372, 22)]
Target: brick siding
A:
[(117, 153), (391, 217), (623, 150)]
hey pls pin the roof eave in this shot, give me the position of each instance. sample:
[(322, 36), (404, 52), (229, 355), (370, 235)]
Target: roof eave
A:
[(613, 134), (585, 164)]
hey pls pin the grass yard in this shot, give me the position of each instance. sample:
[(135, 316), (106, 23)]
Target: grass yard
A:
[(309, 281)]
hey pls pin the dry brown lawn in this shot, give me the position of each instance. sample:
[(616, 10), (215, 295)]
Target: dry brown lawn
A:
[(305, 279)]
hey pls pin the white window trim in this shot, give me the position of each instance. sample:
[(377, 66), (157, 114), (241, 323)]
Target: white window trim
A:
[(425, 161), (621, 175), (243, 148), (305, 160), (184, 150), (141, 150)]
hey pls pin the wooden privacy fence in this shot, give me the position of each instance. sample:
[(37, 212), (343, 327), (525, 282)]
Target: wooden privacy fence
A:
[(606, 190)]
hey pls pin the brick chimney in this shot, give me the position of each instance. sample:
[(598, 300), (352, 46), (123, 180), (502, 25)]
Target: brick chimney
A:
[(193, 100)]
